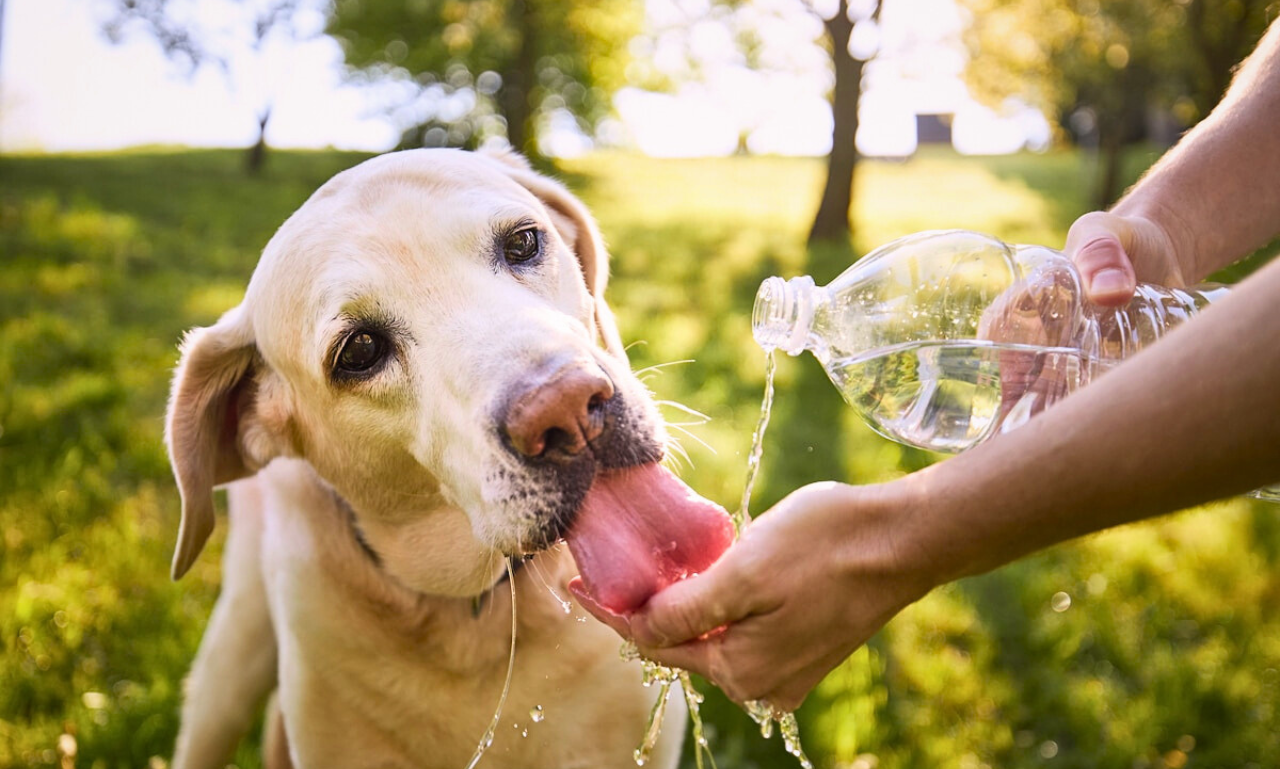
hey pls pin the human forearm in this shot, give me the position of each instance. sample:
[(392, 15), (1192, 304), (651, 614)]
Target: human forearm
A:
[(1215, 194), (1194, 418)]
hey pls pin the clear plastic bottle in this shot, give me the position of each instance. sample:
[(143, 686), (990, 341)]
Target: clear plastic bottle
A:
[(944, 339)]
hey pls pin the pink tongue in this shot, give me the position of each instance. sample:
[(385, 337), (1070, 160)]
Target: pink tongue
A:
[(641, 529)]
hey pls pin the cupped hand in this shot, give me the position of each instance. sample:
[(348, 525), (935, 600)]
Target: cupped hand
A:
[(808, 582), (1114, 253)]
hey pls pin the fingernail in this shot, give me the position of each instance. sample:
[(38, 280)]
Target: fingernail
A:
[(1109, 281)]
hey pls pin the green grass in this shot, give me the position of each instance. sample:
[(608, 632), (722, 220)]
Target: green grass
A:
[(1168, 654)]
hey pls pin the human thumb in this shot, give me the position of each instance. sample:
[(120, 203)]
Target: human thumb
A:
[(691, 608), (1097, 244)]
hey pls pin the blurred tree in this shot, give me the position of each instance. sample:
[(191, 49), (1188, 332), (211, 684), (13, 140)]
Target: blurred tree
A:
[(685, 47), (832, 222), (229, 35), (1102, 68), (468, 71)]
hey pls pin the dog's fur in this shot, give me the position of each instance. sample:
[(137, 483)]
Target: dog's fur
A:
[(371, 514)]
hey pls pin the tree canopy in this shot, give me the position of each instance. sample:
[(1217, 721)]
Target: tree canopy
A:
[(474, 70), (1102, 68)]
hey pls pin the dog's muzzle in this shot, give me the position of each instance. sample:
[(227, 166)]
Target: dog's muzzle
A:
[(564, 424)]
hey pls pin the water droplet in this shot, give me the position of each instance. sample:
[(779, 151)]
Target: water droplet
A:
[(1048, 749), (581, 619), (1060, 602), (536, 714), (568, 607), (524, 732), (629, 651)]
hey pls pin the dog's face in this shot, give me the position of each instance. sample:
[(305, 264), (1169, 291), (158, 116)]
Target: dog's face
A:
[(428, 332)]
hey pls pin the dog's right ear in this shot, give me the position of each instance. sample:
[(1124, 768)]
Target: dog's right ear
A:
[(214, 390)]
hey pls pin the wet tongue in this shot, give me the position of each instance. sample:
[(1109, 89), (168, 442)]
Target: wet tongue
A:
[(641, 529)]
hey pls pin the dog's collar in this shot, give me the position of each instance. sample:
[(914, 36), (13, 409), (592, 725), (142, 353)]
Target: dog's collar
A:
[(477, 602)]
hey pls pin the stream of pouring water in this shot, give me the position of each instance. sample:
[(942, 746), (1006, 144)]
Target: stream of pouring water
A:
[(762, 713), (487, 738)]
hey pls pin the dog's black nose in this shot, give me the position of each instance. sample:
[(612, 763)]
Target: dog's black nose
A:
[(555, 416)]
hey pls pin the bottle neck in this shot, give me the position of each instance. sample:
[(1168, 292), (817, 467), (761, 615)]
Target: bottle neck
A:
[(783, 313)]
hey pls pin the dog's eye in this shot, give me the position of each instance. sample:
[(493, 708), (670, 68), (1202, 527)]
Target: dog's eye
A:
[(521, 246), (361, 352)]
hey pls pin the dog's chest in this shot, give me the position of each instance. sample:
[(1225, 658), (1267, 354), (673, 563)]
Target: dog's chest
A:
[(360, 688)]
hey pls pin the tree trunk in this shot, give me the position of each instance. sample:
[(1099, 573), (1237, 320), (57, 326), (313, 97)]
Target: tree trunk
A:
[(257, 156), (832, 220), (1120, 125), (513, 97), (1106, 190)]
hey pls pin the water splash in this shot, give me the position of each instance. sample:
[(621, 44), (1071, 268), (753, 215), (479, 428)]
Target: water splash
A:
[(486, 739), (767, 715), (763, 713), (664, 677)]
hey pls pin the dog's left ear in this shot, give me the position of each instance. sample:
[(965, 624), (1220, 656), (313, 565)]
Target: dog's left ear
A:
[(578, 229), (217, 428)]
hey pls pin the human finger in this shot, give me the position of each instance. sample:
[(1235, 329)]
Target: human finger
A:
[(1096, 243), (693, 607)]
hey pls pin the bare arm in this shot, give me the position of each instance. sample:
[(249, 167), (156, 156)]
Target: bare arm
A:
[(1192, 419)]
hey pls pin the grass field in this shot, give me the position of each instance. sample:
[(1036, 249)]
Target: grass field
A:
[(1168, 654)]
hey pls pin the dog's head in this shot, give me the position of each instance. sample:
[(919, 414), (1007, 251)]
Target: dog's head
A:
[(429, 332)]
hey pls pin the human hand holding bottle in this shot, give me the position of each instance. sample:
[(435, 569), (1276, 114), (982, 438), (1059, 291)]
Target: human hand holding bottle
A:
[(1114, 252)]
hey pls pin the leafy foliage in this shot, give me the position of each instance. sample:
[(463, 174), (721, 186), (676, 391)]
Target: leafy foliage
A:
[(1100, 68), (505, 68)]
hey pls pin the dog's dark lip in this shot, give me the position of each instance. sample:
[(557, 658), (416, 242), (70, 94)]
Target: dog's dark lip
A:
[(561, 522)]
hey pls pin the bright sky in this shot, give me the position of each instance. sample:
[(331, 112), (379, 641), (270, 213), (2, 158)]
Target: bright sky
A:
[(64, 87)]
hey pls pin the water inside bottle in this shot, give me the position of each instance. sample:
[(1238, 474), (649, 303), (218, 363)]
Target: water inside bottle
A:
[(951, 395)]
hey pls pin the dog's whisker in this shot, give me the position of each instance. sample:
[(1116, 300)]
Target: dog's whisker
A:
[(657, 367), (687, 410), (680, 426), (679, 457)]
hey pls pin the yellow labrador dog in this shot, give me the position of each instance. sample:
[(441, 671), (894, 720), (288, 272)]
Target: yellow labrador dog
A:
[(422, 382)]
